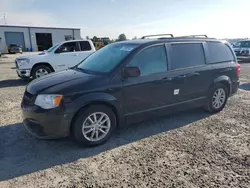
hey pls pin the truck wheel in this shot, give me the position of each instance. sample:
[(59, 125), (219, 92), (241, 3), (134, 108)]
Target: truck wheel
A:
[(217, 98), (40, 70), (94, 125)]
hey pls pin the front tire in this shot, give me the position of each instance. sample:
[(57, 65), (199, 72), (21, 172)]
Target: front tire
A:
[(217, 98), (40, 70), (94, 125)]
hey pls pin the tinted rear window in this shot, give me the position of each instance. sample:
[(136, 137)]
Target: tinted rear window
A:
[(186, 55), (85, 46), (219, 52)]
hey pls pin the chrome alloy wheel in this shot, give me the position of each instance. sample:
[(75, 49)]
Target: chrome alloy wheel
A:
[(96, 126), (41, 72), (219, 98)]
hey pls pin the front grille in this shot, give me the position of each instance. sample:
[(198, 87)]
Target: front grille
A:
[(28, 99)]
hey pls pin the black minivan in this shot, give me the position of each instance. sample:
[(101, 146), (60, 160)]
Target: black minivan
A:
[(130, 81)]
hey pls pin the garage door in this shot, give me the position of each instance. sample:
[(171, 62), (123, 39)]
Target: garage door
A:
[(14, 38)]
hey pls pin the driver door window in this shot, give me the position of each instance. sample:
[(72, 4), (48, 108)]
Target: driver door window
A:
[(68, 47), (150, 60)]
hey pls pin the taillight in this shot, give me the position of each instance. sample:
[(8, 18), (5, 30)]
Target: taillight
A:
[(238, 70)]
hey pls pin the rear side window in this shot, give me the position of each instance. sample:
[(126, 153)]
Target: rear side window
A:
[(185, 55), (219, 52), (150, 60), (85, 46)]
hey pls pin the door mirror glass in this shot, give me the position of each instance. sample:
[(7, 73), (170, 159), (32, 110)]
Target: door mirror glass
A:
[(132, 71)]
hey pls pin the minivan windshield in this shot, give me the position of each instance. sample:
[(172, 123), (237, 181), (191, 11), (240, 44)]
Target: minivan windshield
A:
[(105, 59)]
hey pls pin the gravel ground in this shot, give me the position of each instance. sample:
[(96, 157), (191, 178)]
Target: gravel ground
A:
[(189, 149)]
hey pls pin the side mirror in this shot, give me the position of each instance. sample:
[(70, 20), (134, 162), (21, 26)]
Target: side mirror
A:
[(132, 71)]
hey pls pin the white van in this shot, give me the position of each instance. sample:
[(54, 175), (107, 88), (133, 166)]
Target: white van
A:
[(59, 57)]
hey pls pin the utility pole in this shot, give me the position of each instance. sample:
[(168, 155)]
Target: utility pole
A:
[(4, 18)]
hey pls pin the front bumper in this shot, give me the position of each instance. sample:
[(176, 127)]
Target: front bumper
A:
[(23, 73), (15, 50), (46, 124)]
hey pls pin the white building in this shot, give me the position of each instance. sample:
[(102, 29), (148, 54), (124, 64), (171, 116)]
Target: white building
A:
[(34, 38)]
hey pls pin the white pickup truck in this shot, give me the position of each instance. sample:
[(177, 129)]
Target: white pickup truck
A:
[(59, 57)]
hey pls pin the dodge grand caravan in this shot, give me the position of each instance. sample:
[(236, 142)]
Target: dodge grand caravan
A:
[(130, 81)]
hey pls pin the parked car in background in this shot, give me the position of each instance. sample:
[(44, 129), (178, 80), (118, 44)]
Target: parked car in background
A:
[(242, 50), (130, 81), (59, 57), (15, 48)]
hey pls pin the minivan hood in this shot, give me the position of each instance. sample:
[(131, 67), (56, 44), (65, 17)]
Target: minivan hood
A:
[(39, 85)]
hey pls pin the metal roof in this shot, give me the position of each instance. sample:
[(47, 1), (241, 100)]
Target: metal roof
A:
[(16, 26)]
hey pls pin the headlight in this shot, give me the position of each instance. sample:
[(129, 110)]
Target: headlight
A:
[(22, 62), (48, 101)]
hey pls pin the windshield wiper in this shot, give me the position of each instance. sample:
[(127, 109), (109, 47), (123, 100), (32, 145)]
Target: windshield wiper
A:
[(82, 70), (77, 68)]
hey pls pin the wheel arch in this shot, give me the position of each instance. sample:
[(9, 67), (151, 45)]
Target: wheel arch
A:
[(43, 63), (225, 80), (92, 103)]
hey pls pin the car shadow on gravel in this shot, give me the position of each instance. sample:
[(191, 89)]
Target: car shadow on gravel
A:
[(21, 154), (245, 86), (13, 83)]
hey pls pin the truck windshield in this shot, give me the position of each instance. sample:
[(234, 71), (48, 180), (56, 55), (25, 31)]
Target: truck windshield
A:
[(105, 59), (13, 45), (52, 48), (243, 44)]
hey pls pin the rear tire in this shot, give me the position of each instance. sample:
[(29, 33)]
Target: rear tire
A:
[(40, 70), (88, 128), (217, 98)]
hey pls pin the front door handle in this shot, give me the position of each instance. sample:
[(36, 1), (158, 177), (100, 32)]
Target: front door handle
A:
[(181, 76), (193, 74), (167, 79), (75, 54)]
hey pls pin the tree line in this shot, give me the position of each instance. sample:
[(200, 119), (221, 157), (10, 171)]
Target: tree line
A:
[(107, 40)]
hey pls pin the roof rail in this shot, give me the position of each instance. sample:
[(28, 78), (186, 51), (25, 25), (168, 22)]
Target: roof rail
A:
[(192, 36), (144, 37)]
